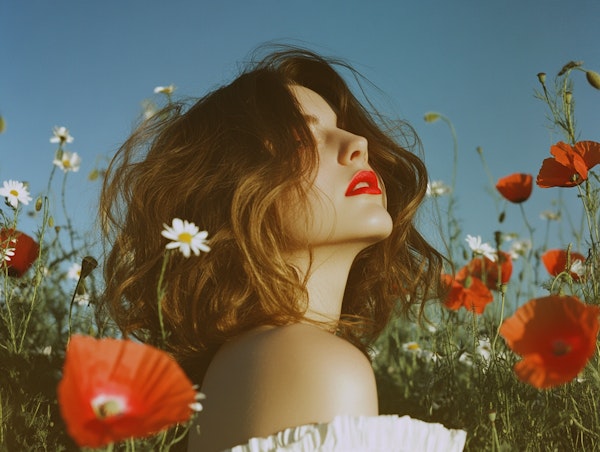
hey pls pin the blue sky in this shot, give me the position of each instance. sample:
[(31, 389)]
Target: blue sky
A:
[(89, 65)]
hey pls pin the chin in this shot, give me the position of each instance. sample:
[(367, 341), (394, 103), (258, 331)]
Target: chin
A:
[(379, 226), (373, 230)]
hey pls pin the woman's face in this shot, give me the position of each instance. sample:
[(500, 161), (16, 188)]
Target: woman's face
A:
[(347, 201)]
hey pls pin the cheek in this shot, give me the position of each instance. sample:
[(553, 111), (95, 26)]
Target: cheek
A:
[(383, 191), (308, 222)]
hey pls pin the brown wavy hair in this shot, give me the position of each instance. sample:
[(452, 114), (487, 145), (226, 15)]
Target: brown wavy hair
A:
[(226, 163)]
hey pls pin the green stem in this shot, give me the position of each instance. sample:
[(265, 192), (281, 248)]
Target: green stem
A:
[(160, 292), (71, 307), (65, 211), (38, 276)]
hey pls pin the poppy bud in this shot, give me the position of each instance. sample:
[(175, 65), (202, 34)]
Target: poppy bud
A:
[(26, 251), (93, 174), (542, 78), (501, 217), (87, 265), (2, 124), (38, 204), (51, 221), (498, 238), (570, 65), (568, 97), (593, 78), (431, 117)]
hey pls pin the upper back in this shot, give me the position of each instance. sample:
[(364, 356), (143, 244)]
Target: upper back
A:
[(272, 378)]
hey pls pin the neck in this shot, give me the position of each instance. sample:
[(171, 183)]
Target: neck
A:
[(326, 278)]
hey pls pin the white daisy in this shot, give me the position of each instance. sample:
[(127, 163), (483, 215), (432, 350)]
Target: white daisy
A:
[(519, 248), (411, 346), (15, 193), (186, 236), (69, 161), (414, 348), (74, 271), (466, 358), (6, 254), (484, 349), (164, 89), (61, 135), (550, 215), (82, 299), (197, 406), (437, 188), (480, 248), (578, 267)]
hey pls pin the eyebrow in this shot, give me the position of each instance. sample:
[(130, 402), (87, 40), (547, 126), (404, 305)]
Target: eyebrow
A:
[(312, 119)]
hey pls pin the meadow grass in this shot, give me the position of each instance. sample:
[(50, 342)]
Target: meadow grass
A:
[(453, 367)]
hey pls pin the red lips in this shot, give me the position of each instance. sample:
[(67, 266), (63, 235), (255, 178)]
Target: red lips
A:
[(363, 182)]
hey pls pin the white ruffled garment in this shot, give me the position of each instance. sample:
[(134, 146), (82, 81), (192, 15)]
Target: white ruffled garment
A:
[(385, 433)]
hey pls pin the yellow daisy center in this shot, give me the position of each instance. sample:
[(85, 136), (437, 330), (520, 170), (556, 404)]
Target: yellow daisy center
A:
[(413, 346), (185, 237), (14, 192), (66, 163)]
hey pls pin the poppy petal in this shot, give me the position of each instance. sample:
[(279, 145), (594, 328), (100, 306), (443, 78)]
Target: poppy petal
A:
[(567, 156), (589, 151), (453, 299), (477, 296), (114, 389), (26, 251), (466, 291), (555, 261), (515, 187), (492, 273), (556, 335), (554, 174)]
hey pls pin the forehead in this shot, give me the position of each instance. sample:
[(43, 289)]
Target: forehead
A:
[(313, 106)]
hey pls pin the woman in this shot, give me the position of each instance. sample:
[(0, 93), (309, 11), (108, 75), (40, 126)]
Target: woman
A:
[(309, 201)]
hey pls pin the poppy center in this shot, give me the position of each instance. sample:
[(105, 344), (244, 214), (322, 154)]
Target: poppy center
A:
[(185, 237), (106, 406), (560, 347), (14, 192)]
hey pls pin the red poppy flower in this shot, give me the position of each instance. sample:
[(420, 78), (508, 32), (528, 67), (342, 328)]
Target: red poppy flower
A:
[(24, 252), (570, 164), (516, 187), (494, 272), (555, 335), (555, 262), (114, 389), (466, 291)]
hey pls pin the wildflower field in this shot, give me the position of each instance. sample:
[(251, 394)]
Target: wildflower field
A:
[(510, 355)]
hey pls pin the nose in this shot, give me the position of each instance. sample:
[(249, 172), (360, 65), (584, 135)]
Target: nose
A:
[(353, 149)]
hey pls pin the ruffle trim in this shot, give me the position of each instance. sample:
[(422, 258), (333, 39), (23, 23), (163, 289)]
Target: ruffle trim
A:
[(386, 433)]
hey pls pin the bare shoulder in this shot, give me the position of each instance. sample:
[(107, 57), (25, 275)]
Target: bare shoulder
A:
[(280, 377), (320, 372)]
